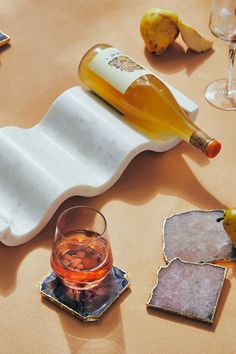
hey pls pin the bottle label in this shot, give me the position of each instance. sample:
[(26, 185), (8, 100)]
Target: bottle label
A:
[(118, 69)]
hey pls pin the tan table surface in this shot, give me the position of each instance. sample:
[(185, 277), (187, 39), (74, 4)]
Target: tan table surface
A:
[(48, 41)]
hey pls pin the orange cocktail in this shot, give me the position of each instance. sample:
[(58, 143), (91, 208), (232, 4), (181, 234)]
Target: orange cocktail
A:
[(81, 254)]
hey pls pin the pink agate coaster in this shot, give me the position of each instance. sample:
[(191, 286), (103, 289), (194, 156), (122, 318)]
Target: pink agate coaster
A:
[(188, 289), (196, 236)]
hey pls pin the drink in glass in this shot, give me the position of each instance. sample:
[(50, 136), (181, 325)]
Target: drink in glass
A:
[(81, 254)]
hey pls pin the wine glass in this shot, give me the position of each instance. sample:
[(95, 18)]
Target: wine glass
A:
[(222, 23), (81, 255)]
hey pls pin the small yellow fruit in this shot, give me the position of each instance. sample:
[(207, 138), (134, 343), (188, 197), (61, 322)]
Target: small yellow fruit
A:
[(229, 223), (193, 39), (159, 29)]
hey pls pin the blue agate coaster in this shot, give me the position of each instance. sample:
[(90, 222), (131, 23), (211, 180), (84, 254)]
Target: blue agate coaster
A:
[(87, 305)]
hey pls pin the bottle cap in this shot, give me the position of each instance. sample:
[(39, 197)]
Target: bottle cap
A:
[(213, 148)]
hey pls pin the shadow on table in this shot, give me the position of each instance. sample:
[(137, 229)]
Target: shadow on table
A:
[(194, 323), (175, 59), (4, 48), (106, 334), (148, 175)]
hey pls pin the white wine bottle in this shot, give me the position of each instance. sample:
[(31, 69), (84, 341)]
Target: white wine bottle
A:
[(146, 102)]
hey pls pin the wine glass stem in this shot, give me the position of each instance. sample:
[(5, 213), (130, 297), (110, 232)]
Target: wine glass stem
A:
[(228, 88)]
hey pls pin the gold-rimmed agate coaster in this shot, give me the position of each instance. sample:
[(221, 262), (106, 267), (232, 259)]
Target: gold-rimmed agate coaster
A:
[(86, 305), (4, 38), (196, 236), (188, 289)]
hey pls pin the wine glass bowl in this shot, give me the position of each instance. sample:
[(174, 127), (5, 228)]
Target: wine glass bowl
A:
[(222, 23), (81, 254)]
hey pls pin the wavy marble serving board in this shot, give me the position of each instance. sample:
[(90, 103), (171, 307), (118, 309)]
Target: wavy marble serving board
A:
[(81, 147)]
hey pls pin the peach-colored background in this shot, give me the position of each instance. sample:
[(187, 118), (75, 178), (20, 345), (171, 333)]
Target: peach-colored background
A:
[(48, 41)]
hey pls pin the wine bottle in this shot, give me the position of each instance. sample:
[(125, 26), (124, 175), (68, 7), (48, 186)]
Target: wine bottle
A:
[(146, 102)]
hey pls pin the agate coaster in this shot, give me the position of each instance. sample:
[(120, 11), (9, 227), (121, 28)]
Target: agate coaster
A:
[(188, 289), (87, 305), (196, 236)]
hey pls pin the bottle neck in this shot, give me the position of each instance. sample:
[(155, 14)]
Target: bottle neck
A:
[(200, 140), (203, 142)]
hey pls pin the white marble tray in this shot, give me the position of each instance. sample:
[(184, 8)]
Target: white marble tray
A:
[(81, 147)]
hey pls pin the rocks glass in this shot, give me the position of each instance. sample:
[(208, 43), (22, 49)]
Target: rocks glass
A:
[(81, 254)]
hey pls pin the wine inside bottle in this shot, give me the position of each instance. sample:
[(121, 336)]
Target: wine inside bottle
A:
[(146, 102)]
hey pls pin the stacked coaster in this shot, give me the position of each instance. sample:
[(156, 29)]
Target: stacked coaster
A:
[(189, 285)]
